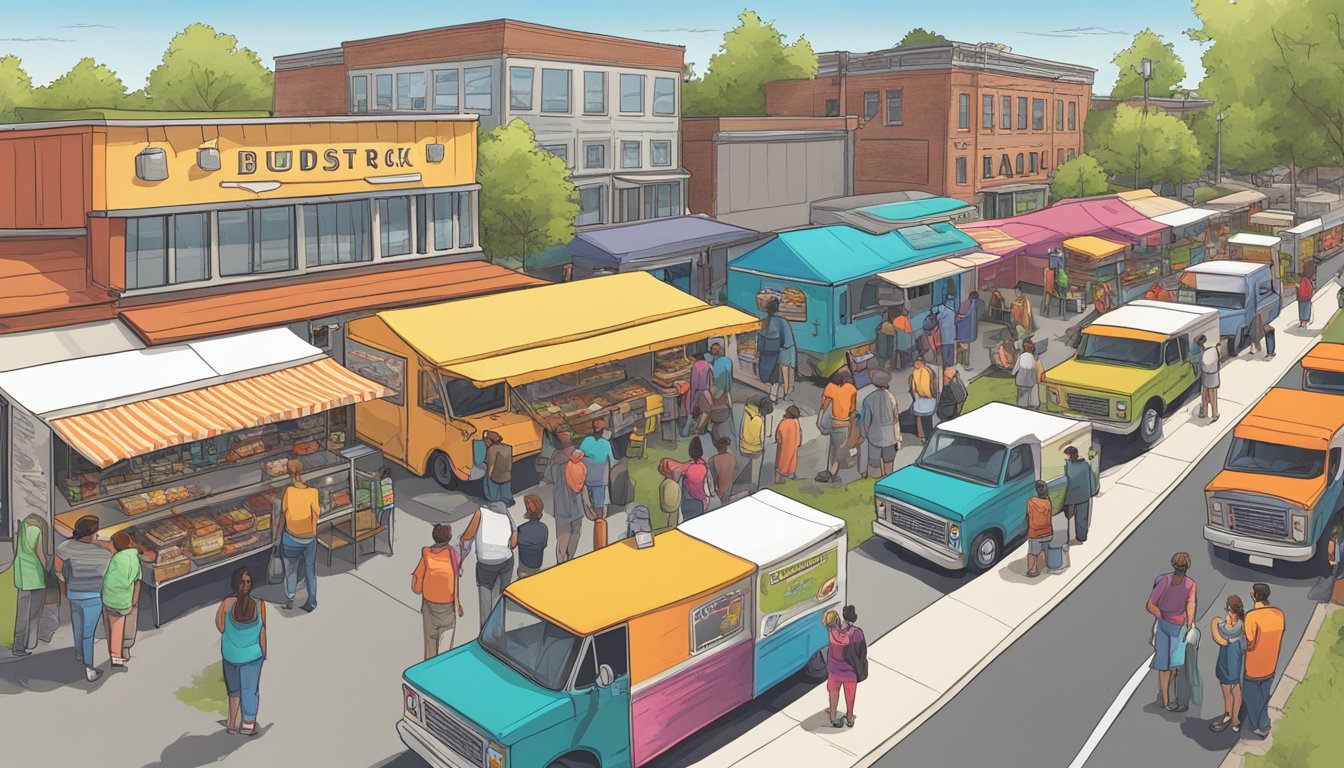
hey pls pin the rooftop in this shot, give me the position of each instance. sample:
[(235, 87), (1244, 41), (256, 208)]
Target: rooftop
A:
[(763, 528), (1156, 317), (1225, 267), (835, 254), (1293, 417), (949, 54), (655, 238), (1007, 424)]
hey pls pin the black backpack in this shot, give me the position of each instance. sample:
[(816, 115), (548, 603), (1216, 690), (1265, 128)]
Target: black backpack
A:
[(856, 656)]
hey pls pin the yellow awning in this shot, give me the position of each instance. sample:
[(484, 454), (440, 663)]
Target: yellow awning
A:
[(924, 272), (1094, 248), (1150, 204), (544, 362)]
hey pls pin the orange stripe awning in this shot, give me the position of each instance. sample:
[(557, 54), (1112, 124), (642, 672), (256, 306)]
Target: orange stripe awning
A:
[(114, 434)]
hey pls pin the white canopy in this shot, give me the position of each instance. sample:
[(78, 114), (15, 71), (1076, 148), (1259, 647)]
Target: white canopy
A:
[(1185, 216), (1160, 317), (1250, 238), (1007, 424), (763, 528), (29, 348)]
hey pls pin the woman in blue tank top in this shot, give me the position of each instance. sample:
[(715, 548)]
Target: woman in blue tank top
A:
[(241, 620)]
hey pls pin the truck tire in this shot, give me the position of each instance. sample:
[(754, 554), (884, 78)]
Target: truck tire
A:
[(581, 760), (441, 469), (815, 670), (985, 551), (1150, 422)]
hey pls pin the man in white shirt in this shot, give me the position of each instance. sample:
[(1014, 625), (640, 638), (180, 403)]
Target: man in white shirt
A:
[(1208, 378)]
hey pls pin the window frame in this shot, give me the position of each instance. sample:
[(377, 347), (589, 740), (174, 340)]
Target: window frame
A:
[(407, 76), (601, 214), (963, 111), (456, 92), (987, 167), (1033, 163), (1022, 113), (602, 75), (1073, 115), (591, 145), (563, 146), (639, 154), (672, 112), (569, 90), (871, 100), (643, 105), (961, 170), (1038, 114), (378, 80), (515, 102), (1006, 116), (489, 89), (832, 107), (987, 112), (895, 97), (363, 82), (1020, 163), (1059, 114), (653, 153)]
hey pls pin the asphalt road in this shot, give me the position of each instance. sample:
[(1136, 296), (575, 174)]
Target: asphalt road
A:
[(1038, 703)]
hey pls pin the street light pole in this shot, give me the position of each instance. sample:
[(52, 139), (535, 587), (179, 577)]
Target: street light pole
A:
[(1218, 153), (1145, 72)]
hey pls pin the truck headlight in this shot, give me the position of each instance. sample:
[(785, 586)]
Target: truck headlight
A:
[(1299, 527), (1120, 407), (1216, 512), (1054, 394), (412, 702), (881, 509), (496, 756), (954, 536)]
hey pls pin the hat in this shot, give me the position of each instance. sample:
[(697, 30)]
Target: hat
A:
[(880, 378)]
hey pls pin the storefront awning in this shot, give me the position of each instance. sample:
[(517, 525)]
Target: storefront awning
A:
[(1306, 228), (640, 242), (926, 272), (53, 345), (1094, 248), (1150, 204), (632, 180), (1272, 219), (1185, 217), (974, 260)]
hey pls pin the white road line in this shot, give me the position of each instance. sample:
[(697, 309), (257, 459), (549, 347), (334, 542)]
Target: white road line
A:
[(1112, 713)]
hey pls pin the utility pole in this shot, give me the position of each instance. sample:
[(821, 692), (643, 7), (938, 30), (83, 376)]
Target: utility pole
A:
[(1145, 72), (1218, 153)]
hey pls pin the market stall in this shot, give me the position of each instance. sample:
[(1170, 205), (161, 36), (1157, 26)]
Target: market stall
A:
[(1234, 215), (186, 446), (1095, 265), (1301, 244), (1189, 237), (1262, 249), (1271, 222)]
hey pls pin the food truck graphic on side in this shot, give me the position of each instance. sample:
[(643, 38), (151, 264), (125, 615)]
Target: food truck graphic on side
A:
[(614, 657), (964, 500), (1239, 290), (1278, 495)]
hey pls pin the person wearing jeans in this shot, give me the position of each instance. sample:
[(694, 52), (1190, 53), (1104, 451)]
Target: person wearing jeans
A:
[(1264, 638), (241, 621), (82, 562), (493, 534), (30, 582), (300, 509)]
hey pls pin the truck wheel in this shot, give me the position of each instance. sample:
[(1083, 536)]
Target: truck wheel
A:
[(815, 670), (1150, 423), (441, 469), (985, 551)]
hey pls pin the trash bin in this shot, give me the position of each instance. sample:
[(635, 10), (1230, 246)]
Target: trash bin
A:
[(1057, 551)]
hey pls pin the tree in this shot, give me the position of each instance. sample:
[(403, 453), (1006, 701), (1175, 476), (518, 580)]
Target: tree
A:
[(16, 87), (1165, 147), (205, 71), (528, 203), (1082, 176), (1168, 71), (88, 85), (753, 53), (920, 35)]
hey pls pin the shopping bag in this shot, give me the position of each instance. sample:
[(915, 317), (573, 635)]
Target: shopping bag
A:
[(275, 568)]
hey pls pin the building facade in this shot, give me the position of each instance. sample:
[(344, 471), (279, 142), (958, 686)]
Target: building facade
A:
[(970, 122), (610, 107), (765, 172)]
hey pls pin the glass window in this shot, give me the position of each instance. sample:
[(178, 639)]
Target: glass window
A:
[(469, 400), (1135, 353), (477, 90), (1006, 118), (444, 205), (337, 233), (520, 87), (609, 649), (431, 398), (394, 225), (591, 208), (1038, 114), (964, 111), (466, 237), (559, 150), (1005, 165), (383, 94), (664, 96), (1073, 115), (555, 90), (632, 93), (235, 243), (595, 155), (1173, 352), (895, 110), (832, 107), (1021, 164), (988, 170), (1264, 458), (595, 93), (1033, 163), (146, 252), (1021, 113), (445, 90), (1072, 153), (1059, 114), (961, 170), (359, 94), (660, 154), (630, 154), (191, 247), (627, 204), (717, 620), (661, 200), (1020, 463), (987, 112), (274, 236), (870, 99), (411, 90), (534, 647), (971, 458), (1059, 157)]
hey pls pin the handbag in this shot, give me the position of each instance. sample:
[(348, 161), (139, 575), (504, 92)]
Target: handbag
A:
[(825, 421), (275, 567), (924, 406)]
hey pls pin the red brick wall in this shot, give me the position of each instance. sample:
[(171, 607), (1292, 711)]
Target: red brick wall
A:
[(311, 91), (800, 97), (700, 157), (45, 178)]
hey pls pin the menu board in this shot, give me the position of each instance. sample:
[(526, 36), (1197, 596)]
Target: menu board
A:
[(716, 620), (801, 583), (30, 473), (376, 365)]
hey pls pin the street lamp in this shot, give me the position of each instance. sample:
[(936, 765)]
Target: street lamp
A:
[(1145, 72), (1218, 153)]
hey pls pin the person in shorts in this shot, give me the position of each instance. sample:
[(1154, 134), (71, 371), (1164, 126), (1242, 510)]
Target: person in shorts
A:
[(1040, 529)]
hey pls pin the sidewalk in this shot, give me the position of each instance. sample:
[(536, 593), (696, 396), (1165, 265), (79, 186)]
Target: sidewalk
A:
[(922, 664)]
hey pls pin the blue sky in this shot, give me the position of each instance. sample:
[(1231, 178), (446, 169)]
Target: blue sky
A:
[(130, 37)]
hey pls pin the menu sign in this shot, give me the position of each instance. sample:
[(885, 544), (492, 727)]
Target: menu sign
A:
[(804, 582), (30, 470)]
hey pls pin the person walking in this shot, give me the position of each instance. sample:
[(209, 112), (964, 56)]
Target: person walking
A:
[(924, 391), (599, 459), (1027, 376), (905, 337), (837, 407), (884, 343), (1257, 333), (82, 562), (1229, 632), (30, 583), (1208, 378), (241, 621), (1306, 289), (699, 398), (788, 439), (669, 492), (723, 470), (1081, 485), (435, 580), (751, 442), (840, 671), (968, 328), (494, 536), (1264, 638), (721, 365), (572, 505), (1268, 330), (788, 359), (775, 331), (121, 597), (555, 467), (300, 509), (532, 537), (953, 396), (946, 315), (694, 476), (878, 426), (1172, 605), (1040, 529), (498, 479)]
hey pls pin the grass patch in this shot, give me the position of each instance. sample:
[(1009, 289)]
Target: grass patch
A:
[(994, 386), (207, 692), (9, 598), (1308, 735), (1334, 330)]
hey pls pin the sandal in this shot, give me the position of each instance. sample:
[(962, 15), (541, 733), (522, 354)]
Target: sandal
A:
[(1218, 726), (849, 721)]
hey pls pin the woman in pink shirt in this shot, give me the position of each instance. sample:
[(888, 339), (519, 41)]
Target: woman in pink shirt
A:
[(1172, 603), (694, 476)]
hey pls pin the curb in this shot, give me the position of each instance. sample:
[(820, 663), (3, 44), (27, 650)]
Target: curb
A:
[(1292, 674)]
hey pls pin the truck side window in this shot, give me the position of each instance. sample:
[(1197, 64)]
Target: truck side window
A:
[(1332, 464), (1020, 463), (610, 648), (1173, 352)]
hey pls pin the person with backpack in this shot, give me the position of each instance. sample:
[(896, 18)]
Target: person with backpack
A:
[(435, 580), (751, 444), (494, 536), (846, 662)]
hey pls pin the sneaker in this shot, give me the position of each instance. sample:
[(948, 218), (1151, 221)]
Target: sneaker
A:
[(20, 653), (309, 607), (92, 674), (118, 662)]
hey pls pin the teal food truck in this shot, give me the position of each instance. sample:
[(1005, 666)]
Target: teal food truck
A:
[(835, 283), (964, 500)]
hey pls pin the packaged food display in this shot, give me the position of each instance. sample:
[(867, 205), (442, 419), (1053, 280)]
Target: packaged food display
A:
[(166, 532), (173, 570), (263, 522), (134, 505), (671, 366), (241, 544), (792, 302), (275, 467), (340, 498), (307, 448), (207, 544), (235, 521), (261, 503), (202, 527)]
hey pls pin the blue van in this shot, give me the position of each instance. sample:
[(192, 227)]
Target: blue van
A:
[(1238, 290)]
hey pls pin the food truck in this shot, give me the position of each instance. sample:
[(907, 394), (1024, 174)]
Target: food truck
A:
[(1323, 368), (527, 364), (1279, 490), (1238, 290), (1133, 364), (612, 658), (964, 500)]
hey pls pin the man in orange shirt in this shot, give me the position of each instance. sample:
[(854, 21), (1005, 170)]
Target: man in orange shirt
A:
[(839, 400), (1040, 529), (1264, 636), (435, 580)]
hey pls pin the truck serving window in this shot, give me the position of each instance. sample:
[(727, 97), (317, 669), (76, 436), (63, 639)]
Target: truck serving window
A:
[(970, 458), (539, 650), (1136, 353), (1220, 299), (1325, 381), (469, 399), (1271, 459)]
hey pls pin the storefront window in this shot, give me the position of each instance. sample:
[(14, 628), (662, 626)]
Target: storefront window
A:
[(478, 89), (146, 252), (627, 204), (595, 93), (466, 237), (191, 247), (632, 93), (394, 223), (337, 233), (591, 208), (661, 200), (256, 242), (445, 90), (555, 90), (470, 400), (359, 94), (660, 154), (444, 207), (383, 93), (664, 96), (411, 90)]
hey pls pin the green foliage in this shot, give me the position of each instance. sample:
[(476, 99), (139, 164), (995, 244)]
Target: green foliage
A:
[(87, 84), (16, 87), (207, 692), (753, 53), (206, 71), (1205, 194), (1308, 735), (1097, 128), (1163, 143), (920, 35), (528, 203), (1167, 67), (1082, 176)]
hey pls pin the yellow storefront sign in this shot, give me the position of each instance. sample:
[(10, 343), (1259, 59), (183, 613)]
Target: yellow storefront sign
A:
[(199, 164)]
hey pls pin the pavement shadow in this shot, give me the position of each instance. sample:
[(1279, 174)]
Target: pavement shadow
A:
[(1197, 730), (196, 750), (821, 723), (46, 672), (927, 573), (407, 759), (1236, 566)]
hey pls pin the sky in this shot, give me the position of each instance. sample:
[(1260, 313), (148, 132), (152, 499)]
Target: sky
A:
[(130, 37)]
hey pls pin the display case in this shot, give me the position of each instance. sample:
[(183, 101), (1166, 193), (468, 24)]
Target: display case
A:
[(623, 403), (671, 366)]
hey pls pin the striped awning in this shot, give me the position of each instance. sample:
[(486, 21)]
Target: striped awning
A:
[(114, 434)]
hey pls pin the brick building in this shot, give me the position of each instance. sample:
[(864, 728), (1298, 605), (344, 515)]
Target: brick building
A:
[(610, 107), (966, 121)]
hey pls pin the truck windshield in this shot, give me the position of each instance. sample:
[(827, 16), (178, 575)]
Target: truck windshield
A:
[(1271, 459), (970, 458), (536, 648), (469, 400), (1136, 353), (1220, 299), (1325, 381)]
